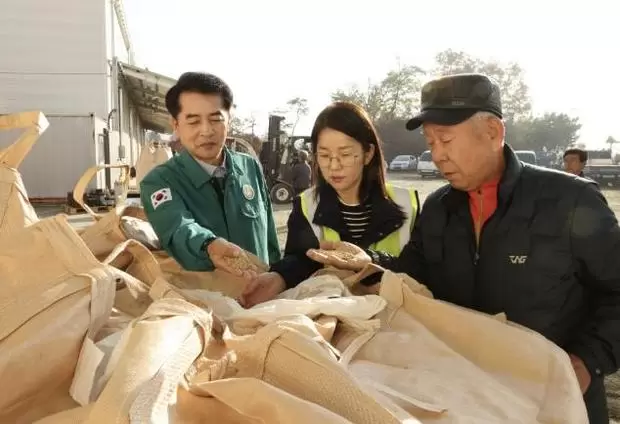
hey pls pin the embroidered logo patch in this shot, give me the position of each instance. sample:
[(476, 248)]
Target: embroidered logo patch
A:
[(248, 191), (160, 196)]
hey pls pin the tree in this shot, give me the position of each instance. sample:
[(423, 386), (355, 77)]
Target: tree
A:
[(611, 141), (400, 92), (241, 126), (398, 141), (244, 128), (368, 99), (550, 131), (250, 123), (515, 93), (449, 62), (298, 107), (236, 127), (394, 100), (395, 97)]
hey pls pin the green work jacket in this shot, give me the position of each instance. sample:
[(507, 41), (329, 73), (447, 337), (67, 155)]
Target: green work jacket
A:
[(186, 209)]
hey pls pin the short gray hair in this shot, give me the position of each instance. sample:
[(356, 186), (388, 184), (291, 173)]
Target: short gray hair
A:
[(483, 115)]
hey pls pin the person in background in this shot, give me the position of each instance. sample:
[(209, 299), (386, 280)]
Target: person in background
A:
[(350, 201), (175, 145), (301, 173), (504, 236), (575, 161), (208, 202)]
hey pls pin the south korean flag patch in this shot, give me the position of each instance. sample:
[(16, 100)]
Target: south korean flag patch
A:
[(160, 196)]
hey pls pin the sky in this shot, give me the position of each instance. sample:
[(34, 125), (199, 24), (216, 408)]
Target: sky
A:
[(270, 51)]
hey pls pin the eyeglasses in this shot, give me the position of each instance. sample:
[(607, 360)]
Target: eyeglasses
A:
[(344, 161)]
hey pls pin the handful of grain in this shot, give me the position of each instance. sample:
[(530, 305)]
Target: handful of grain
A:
[(345, 256), (241, 263)]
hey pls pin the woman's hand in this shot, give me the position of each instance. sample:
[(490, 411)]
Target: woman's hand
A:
[(340, 254), (264, 287)]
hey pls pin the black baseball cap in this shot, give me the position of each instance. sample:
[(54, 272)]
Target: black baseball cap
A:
[(453, 99)]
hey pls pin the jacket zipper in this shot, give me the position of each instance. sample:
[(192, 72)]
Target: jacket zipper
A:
[(478, 227), (219, 190)]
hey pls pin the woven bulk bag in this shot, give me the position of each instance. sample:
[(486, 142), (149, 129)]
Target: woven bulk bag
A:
[(150, 378), (15, 209), (129, 222), (54, 298), (105, 233), (467, 366), (151, 155)]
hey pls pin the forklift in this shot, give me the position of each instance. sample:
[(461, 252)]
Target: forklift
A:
[(277, 157)]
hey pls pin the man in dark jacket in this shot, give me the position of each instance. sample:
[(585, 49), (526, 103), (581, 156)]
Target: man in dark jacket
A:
[(301, 173), (504, 236), (575, 161)]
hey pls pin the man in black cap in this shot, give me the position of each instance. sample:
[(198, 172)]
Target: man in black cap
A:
[(505, 236)]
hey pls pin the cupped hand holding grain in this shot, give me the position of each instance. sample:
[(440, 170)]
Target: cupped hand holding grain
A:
[(340, 254), (231, 258)]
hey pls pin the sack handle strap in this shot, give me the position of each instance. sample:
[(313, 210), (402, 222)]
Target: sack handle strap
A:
[(80, 187), (35, 124)]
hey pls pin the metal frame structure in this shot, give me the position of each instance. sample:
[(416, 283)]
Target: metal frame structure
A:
[(119, 9), (147, 91)]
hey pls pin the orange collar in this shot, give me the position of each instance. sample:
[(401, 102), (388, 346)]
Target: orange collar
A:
[(482, 204), (488, 186)]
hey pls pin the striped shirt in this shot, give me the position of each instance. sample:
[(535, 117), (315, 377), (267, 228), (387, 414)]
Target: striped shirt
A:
[(356, 219)]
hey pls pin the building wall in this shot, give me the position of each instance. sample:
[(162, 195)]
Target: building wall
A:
[(51, 61), (56, 57), (54, 165)]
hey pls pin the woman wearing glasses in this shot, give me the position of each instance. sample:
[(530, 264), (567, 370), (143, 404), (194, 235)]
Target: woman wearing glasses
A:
[(350, 201)]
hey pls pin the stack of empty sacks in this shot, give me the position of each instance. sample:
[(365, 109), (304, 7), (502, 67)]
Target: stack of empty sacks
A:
[(101, 326)]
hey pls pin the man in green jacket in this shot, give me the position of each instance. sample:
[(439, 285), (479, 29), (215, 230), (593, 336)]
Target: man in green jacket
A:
[(207, 202)]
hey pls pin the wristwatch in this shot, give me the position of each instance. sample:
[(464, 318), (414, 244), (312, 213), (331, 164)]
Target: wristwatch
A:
[(374, 256), (207, 242)]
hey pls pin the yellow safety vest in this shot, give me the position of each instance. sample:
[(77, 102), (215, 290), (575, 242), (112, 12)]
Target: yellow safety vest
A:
[(393, 243)]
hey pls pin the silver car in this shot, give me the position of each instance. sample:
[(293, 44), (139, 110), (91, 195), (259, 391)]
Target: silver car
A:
[(403, 163)]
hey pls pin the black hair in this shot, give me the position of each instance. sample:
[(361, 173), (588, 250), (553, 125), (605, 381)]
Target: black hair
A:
[(583, 155), (352, 120), (197, 82)]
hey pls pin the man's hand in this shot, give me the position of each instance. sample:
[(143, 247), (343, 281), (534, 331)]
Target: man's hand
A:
[(231, 258), (583, 375), (264, 287), (340, 254)]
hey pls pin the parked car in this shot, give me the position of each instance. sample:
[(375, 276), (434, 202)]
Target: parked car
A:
[(426, 166), (403, 163)]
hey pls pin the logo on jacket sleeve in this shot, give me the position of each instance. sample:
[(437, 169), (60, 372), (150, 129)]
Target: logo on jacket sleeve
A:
[(248, 191), (160, 196)]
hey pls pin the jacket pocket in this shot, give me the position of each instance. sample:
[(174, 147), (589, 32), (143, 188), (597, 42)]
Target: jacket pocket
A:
[(249, 209)]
